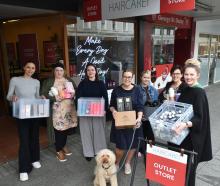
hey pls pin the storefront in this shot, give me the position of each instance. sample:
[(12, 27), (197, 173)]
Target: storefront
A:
[(168, 39)]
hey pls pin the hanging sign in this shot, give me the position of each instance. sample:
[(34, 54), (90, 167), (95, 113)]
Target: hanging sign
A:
[(92, 10), (165, 166), (176, 5), (112, 9), (95, 10)]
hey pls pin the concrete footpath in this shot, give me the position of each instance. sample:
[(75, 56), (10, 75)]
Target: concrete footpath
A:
[(78, 172)]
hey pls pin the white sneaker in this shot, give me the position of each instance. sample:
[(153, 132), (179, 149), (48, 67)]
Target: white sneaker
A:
[(23, 176), (127, 168), (36, 165)]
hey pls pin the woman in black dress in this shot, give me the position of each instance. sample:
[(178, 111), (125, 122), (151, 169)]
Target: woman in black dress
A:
[(199, 138), (123, 137)]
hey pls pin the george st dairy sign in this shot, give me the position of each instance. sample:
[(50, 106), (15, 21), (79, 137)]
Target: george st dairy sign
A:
[(95, 10)]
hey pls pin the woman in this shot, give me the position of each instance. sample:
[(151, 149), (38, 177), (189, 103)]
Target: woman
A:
[(92, 129), (199, 138), (28, 129), (63, 108), (177, 84), (149, 96), (123, 137)]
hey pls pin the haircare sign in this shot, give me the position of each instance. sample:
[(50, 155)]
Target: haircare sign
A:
[(165, 166), (112, 9)]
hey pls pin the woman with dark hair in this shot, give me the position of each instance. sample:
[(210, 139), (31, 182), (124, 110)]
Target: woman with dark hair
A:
[(177, 84), (92, 129), (60, 91), (123, 137), (28, 129)]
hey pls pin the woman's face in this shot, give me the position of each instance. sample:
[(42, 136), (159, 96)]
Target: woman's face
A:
[(91, 72), (127, 78), (191, 76), (58, 72), (29, 69), (145, 79), (176, 75)]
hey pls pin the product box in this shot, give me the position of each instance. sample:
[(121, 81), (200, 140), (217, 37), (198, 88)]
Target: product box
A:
[(126, 119), (165, 119), (31, 108), (94, 107)]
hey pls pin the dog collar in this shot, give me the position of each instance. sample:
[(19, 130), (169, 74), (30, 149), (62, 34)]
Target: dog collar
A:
[(106, 167)]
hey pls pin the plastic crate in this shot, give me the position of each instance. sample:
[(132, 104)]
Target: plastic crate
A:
[(166, 117), (31, 108), (91, 107)]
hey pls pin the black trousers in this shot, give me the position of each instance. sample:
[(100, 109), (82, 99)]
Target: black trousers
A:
[(60, 139), (29, 147)]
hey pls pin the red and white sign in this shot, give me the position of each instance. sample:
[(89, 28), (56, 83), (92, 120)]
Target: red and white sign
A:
[(28, 49), (183, 22), (92, 10), (95, 10), (165, 166), (167, 6)]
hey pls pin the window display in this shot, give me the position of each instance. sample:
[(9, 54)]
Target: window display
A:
[(111, 53)]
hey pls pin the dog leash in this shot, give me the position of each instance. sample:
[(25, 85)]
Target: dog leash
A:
[(132, 141)]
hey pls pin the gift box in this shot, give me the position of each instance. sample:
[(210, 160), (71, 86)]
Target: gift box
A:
[(125, 119), (165, 119), (31, 108), (91, 107)]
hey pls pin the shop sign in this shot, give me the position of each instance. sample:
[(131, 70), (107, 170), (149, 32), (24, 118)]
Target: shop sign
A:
[(28, 49), (171, 20), (112, 9), (165, 166), (92, 10), (49, 52), (92, 51), (167, 6)]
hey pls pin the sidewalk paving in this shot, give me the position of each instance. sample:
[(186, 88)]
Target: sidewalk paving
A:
[(78, 172)]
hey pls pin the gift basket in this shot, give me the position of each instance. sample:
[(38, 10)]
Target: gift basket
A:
[(165, 119), (91, 107), (31, 108)]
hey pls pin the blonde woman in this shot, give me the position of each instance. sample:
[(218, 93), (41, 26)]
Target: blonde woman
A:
[(199, 138)]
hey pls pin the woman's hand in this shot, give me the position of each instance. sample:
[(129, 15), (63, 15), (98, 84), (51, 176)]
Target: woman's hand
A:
[(114, 112), (58, 98), (180, 127), (43, 97), (14, 98), (138, 123)]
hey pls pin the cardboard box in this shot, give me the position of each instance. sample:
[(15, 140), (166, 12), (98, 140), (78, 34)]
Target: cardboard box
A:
[(126, 119)]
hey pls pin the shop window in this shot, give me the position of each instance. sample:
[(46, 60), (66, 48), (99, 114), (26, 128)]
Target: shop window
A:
[(110, 52), (163, 46)]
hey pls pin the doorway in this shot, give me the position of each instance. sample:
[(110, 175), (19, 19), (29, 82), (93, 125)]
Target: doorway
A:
[(209, 56)]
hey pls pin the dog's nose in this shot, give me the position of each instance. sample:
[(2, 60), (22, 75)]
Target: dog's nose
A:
[(105, 160)]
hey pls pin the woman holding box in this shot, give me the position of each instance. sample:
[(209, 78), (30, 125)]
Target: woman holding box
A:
[(123, 137), (92, 129), (60, 90), (199, 138), (28, 129)]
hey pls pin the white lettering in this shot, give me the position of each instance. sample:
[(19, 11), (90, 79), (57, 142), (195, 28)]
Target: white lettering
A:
[(176, 1)]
